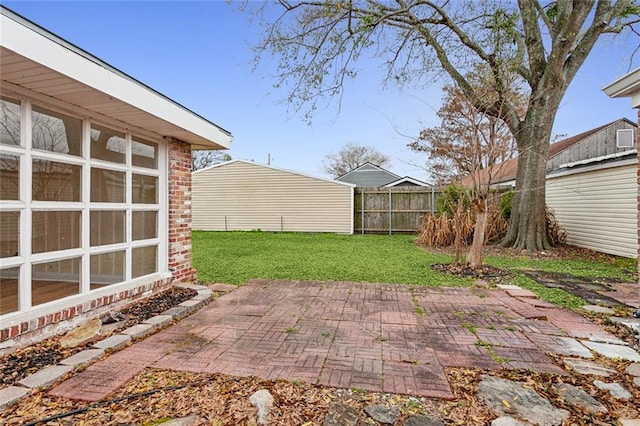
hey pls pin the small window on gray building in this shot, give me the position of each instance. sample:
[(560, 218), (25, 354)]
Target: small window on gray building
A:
[(624, 138)]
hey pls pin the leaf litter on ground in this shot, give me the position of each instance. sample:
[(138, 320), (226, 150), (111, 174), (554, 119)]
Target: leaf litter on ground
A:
[(20, 363)]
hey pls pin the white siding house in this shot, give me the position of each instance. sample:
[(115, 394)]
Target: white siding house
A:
[(242, 196), (596, 206), (628, 86)]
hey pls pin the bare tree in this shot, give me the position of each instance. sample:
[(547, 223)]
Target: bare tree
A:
[(469, 143), (204, 159), (352, 156), (454, 149), (319, 42)]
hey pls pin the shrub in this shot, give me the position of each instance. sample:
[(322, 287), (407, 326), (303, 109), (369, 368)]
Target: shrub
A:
[(447, 201), (505, 204)]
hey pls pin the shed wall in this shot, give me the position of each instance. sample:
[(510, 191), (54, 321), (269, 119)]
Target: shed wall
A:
[(598, 209), (245, 196)]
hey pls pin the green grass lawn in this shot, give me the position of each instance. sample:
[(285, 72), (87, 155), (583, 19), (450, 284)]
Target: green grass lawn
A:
[(235, 257)]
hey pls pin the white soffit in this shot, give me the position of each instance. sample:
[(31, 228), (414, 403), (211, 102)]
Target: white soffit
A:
[(626, 86), (37, 60)]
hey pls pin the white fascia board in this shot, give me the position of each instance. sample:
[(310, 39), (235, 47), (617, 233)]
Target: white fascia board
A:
[(406, 179), (585, 167), (626, 86), (633, 152), (33, 45)]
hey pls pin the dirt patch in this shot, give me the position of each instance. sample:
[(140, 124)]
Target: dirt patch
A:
[(560, 252), (484, 272), (25, 361), (587, 288)]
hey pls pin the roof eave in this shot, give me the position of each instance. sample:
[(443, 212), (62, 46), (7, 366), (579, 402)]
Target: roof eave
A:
[(626, 86), (44, 49)]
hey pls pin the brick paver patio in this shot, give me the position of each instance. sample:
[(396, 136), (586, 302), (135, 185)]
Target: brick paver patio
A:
[(378, 337)]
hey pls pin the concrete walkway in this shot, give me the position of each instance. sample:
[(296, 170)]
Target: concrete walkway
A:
[(377, 337)]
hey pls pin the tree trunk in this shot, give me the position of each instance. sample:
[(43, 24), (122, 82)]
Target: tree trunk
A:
[(476, 253), (457, 242), (527, 230)]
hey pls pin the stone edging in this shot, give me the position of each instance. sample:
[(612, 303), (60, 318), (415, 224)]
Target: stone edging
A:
[(49, 375)]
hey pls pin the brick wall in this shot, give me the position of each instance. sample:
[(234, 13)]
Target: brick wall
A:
[(63, 320), (180, 211)]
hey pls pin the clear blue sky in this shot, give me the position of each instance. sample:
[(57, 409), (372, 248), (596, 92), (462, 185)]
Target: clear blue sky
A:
[(199, 54)]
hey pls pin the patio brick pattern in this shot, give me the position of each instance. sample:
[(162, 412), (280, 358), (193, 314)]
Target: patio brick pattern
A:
[(377, 337)]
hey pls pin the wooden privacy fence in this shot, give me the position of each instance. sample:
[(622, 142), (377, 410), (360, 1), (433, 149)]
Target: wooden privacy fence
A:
[(398, 209)]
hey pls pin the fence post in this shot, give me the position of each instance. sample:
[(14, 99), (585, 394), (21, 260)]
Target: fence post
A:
[(281, 224), (361, 211), (225, 223), (390, 224), (433, 199)]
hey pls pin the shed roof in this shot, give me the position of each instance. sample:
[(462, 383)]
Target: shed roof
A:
[(253, 163), (506, 171), (35, 59)]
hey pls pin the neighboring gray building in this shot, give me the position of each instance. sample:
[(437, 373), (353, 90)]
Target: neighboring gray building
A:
[(371, 176), (368, 175)]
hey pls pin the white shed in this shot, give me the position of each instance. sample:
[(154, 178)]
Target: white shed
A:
[(241, 196)]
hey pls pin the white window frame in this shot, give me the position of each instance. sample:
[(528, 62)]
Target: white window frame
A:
[(25, 205)]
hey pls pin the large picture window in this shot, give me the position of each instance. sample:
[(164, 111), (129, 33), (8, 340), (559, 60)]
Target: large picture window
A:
[(81, 206)]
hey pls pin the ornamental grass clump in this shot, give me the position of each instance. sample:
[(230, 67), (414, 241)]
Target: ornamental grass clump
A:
[(455, 219)]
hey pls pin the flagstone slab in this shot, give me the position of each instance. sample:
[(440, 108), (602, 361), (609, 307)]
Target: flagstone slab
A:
[(46, 376), (614, 351), (12, 394), (598, 309), (615, 389), (633, 369), (506, 397), (578, 397), (588, 367)]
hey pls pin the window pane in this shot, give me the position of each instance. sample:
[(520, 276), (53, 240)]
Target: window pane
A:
[(9, 122), (107, 186), (56, 132), (107, 227), (107, 144), (107, 268), (9, 279), (145, 225), (53, 181), (55, 280), (145, 189), (145, 154), (144, 261), (9, 177), (10, 232), (54, 231)]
